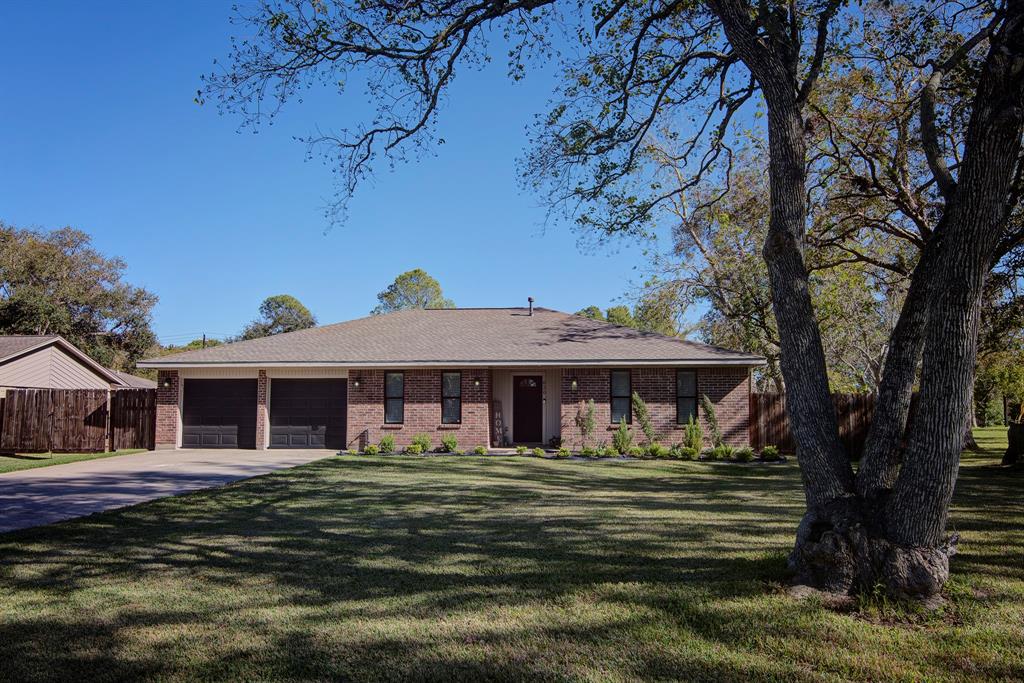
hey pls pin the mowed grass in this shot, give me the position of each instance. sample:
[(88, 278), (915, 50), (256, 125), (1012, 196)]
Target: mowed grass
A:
[(495, 568), (28, 461)]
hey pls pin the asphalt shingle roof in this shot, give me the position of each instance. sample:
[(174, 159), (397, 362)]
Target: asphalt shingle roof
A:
[(462, 336), (13, 344)]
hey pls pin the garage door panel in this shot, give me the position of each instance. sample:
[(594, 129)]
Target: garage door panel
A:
[(308, 413), (219, 413)]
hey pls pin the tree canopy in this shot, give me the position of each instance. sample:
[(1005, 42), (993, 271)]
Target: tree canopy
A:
[(412, 289), (55, 282), (279, 313)]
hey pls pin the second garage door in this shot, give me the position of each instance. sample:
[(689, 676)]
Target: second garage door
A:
[(308, 413), (219, 413)]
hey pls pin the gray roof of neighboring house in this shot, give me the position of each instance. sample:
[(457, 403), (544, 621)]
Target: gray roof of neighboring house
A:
[(463, 336), (20, 344)]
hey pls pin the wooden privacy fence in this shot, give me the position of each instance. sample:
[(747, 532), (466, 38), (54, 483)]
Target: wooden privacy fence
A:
[(77, 420), (769, 424)]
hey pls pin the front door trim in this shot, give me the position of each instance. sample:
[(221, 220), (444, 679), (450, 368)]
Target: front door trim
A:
[(543, 400)]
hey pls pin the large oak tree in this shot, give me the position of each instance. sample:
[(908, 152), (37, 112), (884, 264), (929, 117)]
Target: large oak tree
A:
[(694, 68)]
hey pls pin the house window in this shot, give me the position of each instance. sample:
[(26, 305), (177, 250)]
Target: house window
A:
[(394, 397), (451, 398), (622, 393), (686, 396)]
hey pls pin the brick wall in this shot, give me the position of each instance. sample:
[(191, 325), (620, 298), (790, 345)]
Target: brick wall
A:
[(167, 409), (262, 417), (727, 388), (422, 408)]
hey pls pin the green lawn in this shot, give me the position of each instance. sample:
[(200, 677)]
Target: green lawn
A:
[(491, 568), (27, 461)]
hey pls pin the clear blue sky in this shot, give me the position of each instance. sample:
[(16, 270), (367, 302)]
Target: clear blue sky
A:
[(98, 130)]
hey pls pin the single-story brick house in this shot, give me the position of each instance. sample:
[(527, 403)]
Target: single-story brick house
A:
[(490, 376)]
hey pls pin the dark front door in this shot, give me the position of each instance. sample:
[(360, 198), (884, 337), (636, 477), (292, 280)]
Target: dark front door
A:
[(308, 413), (528, 409), (218, 413)]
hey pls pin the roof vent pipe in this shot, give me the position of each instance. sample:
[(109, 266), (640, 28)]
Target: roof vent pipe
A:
[(529, 299)]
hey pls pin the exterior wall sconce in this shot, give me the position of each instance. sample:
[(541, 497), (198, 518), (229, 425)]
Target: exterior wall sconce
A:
[(476, 382), (574, 384), (167, 383), (355, 383)]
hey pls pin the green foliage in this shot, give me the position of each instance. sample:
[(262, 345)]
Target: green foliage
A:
[(414, 449), (56, 283), (278, 314), (686, 453), (643, 416), (586, 421), (622, 438), (592, 312), (620, 315), (721, 452), (693, 437), (709, 414), (539, 452), (520, 450), (480, 450), (423, 441), (352, 451), (564, 452), (609, 451), (411, 290), (745, 454), (770, 453), (449, 443), (634, 452), (588, 451), (387, 444), (656, 450), (371, 449)]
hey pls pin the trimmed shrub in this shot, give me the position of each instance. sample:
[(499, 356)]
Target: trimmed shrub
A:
[(588, 451), (520, 450), (387, 444), (656, 450), (687, 453), (352, 451), (722, 452), (709, 414), (480, 450), (564, 452), (414, 449), (423, 441), (609, 452), (694, 435), (449, 444), (586, 421), (371, 449), (770, 454), (643, 417), (539, 452), (745, 454), (635, 452), (622, 438)]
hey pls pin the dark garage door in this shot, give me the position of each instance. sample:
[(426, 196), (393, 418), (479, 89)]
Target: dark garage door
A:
[(219, 413), (308, 413)]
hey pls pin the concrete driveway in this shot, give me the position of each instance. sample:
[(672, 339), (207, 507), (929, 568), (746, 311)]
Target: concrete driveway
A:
[(50, 494)]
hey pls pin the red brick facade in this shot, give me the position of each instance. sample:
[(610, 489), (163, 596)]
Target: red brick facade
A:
[(422, 408), (262, 417), (728, 389), (167, 409)]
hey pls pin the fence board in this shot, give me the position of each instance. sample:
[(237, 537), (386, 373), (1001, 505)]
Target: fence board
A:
[(76, 420), (769, 424)]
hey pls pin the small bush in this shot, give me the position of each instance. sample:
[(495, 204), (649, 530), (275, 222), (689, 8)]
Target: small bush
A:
[(722, 452), (589, 452), (694, 435), (414, 449), (656, 450), (520, 450), (586, 421), (609, 451), (622, 438), (745, 454), (635, 452), (539, 452), (423, 441), (460, 452), (387, 444), (371, 449), (770, 454), (687, 453), (563, 452), (352, 451), (449, 444), (643, 417), (709, 414), (480, 450)]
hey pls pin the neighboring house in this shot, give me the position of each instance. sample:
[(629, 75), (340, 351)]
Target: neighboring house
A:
[(52, 362), (490, 376)]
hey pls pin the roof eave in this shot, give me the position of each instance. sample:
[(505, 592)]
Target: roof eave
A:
[(672, 362)]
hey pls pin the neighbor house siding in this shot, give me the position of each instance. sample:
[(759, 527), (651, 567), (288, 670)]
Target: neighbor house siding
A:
[(50, 368), (728, 389), (422, 408)]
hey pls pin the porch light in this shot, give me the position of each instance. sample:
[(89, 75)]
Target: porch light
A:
[(574, 385), (476, 382), (167, 383), (355, 383)]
